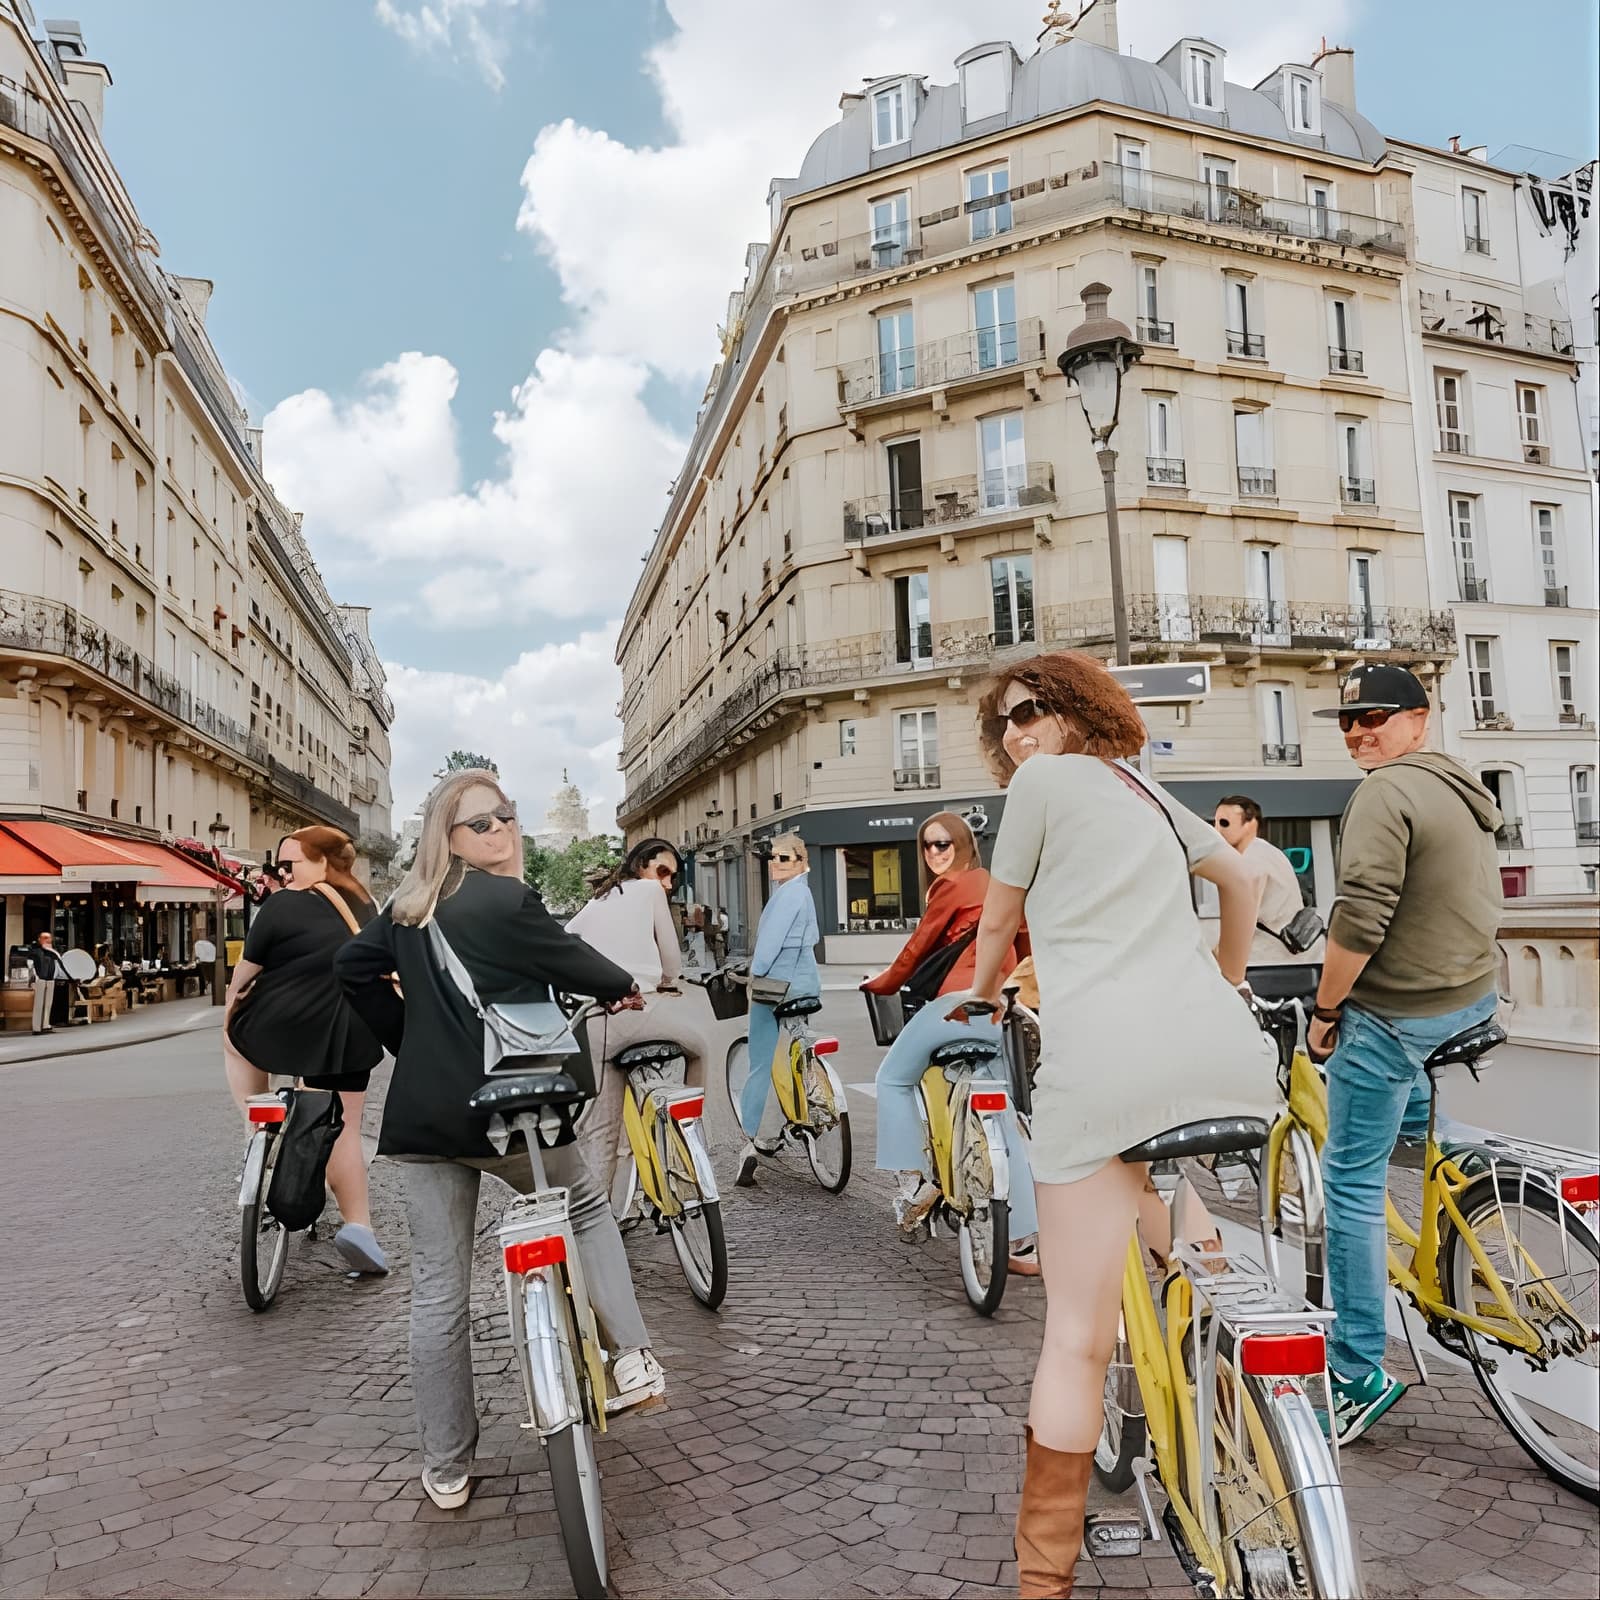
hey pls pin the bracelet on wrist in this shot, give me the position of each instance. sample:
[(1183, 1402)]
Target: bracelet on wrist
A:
[(1327, 1013)]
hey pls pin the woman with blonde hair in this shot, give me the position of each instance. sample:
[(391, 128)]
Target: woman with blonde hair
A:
[(467, 879), (1142, 1032), (286, 1013)]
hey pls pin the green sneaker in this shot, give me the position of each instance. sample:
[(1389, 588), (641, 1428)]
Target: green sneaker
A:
[(1359, 1402)]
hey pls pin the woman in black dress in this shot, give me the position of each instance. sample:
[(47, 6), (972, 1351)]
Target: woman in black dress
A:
[(287, 1013)]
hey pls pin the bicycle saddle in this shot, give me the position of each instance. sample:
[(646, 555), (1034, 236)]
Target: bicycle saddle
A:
[(1466, 1046), (803, 1005), (964, 1052), (526, 1092), (648, 1053), (1219, 1137)]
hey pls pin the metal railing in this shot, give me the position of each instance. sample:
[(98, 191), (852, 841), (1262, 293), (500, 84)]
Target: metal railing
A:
[(1484, 320), (1587, 832), (1280, 755), (1478, 244), (1168, 470), (1453, 442), (1246, 344), (1555, 594), (949, 502), (1341, 359), (1153, 331), (1259, 483), (1509, 835), (916, 777), (1473, 590), (938, 362), (1358, 491)]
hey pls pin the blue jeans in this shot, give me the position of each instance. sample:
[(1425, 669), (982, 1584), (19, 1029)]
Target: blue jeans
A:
[(902, 1143), (1377, 1090)]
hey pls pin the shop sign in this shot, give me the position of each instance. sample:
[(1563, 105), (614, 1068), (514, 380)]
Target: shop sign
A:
[(890, 822)]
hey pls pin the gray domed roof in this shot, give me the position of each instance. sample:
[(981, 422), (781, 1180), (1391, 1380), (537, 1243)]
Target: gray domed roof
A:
[(1071, 74)]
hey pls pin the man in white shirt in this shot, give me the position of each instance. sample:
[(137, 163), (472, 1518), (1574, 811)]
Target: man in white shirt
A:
[(1238, 820)]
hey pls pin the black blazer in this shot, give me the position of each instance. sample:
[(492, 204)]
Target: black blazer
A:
[(513, 949)]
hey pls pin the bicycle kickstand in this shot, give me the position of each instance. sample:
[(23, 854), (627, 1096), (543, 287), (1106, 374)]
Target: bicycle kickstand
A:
[(1411, 1343)]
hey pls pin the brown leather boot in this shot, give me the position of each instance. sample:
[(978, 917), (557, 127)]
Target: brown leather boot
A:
[(1055, 1484)]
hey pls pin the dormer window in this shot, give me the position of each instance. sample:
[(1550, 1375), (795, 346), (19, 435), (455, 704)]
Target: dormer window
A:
[(1302, 103), (891, 115), (1204, 79), (984, 85)]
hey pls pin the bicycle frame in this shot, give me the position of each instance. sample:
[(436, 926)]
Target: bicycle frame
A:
[(788, 1076), (652, 1116), (945, 1101)]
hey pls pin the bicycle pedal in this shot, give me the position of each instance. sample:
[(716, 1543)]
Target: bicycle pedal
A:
[(1113, 1533)]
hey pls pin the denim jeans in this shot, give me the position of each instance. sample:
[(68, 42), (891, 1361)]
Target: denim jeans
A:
[(1377, 1090)]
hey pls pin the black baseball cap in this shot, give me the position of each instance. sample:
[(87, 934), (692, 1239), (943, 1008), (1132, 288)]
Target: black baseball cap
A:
[(1379, 688)]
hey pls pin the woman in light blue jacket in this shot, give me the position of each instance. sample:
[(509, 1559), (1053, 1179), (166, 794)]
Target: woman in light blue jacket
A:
[(786, 942)]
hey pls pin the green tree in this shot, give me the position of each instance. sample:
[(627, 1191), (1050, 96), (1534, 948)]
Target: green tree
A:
[(562, 876), (467, 760)]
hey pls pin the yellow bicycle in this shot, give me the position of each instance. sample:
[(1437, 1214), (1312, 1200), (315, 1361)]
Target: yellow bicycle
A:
[(1503, 1265)]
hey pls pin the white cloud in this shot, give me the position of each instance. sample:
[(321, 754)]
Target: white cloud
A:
[(469, 29), (548, 712)]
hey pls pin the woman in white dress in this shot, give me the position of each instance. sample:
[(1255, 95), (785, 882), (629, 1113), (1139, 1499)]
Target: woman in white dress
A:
[(1142, 1033)]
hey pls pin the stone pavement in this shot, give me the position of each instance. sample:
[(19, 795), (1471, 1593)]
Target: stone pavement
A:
[(845, 1425), (163, 1021)]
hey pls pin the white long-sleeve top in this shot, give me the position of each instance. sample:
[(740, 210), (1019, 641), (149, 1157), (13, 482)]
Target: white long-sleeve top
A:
[(633, 926)]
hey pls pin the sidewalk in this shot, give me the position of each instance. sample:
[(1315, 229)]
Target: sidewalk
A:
[(132, 1027)]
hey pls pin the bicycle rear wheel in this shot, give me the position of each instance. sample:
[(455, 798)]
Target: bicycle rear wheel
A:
[(575, 1480), (1293, 1219), (697, 1228), (263, 1242), (1122, 1435), (827, 1140), (984, 1241), (1549, 1263), (735, 1073)]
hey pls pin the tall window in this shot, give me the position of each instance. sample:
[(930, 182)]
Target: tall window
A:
[(847, 736), (1355, 462), (1475, 220), (1344, 353), (1302, 103), (1171, 567), (1563, 658), (1217, 175), (1280, 729), (1502, 784), (906, 509), (1151, 328), (1583, 805), (983, 87), (1133, 157), (1004, 468), (1264, 586), (1205, 80), (891, 229), (1464, 538), (1544, 538), (1450, 403), (1530, 415), (913, 621), (1481, 678), (897, 355), (988, 200), (916, 747), (1164, 462), (1253, 446), (1011, 590), (1239, 303), (1366, 601), (890, 120), (994, 319)]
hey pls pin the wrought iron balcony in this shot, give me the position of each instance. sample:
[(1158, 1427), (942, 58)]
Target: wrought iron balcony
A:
[(1358, 491), (1153, 331), (1555, 594), (1341, 359), (1246, 344), (1441, 312), (916, 777), (1508, 836), (1478, 244), (1587, 831), (1259, 483), (959, 358), (1167, 470), (947, 503), (1280, 755), (1474, 590), (1453, 442)]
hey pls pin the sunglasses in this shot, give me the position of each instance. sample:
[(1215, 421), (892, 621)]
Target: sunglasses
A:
[(1020, 715), (284, 869), (666, 874), (938, 846), (785, 859), (1222, 822), (480, 825), (1369, 720)]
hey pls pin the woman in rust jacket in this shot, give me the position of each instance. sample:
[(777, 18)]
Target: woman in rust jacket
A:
[(954, 883)]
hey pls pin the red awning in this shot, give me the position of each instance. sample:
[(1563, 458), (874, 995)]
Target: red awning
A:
[(50, 858), (168, 875), (23, 870), (80, 857)]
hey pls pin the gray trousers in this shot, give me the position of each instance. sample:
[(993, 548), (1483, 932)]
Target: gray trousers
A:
[(441, 1211), (44, 994)]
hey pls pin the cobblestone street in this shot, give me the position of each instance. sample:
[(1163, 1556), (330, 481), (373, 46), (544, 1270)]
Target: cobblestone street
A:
[(845, 1425)]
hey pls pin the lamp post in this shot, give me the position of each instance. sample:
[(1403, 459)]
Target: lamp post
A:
[(1099, 350), (219, 831)]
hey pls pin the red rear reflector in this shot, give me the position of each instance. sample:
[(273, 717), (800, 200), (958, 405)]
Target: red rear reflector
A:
[(988, 1100), (825, 1047), (274, 1113), (1283, 1355), (687, 1110), (528, 1254), (1582, 1190)]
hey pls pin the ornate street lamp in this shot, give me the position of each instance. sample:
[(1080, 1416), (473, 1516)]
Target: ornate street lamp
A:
[(219, 831), (1099, 350)]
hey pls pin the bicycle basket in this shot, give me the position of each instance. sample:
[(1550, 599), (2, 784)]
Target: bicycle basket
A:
[(728, 999), (887, 1015)]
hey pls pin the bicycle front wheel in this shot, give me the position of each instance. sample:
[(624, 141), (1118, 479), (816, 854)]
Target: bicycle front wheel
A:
[(697, 1228), (575, 1480), (1548, 1261), (263, 1242), (1293, 1219)]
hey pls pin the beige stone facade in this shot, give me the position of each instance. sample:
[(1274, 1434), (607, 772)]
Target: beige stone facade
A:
[(168, 652), (891, 488)]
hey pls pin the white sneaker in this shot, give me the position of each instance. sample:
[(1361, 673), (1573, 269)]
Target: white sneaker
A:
[(448, 1490), (911, 1211), (638, 1379)]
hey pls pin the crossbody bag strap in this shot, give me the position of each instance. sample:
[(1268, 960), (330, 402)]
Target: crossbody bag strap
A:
[(454, 970), (1139, 788), (336, 900)]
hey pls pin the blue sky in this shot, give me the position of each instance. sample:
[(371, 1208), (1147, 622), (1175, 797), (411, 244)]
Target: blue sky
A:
[(351, 172)]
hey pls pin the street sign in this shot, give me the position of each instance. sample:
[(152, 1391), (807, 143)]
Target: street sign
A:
[(1165, 682)]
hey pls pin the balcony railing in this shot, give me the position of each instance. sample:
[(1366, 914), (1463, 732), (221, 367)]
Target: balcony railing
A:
[(1343, 360), (916, 777), (1587, 832), (939, 362), (1474, 590), (1259, 483), (1453, 442), (1478, 244), (1167, 470), (1555, 594), (1153, 331), (1443, 312), (948, 502), (1246, 344), (1280, 755), (1358, 491), (317, 801), (1509, 835)]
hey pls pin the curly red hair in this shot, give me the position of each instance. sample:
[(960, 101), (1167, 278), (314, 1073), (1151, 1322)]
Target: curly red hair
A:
[(1074, 686)]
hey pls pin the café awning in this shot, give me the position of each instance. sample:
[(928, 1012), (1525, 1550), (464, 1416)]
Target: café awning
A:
[(23, 870), (52, 858), (171, 878), (79, 858)]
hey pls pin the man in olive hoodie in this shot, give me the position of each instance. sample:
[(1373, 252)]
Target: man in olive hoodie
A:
[(1410, 962)]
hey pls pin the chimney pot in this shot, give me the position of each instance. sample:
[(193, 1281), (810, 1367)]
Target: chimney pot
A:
[(1337, 64)]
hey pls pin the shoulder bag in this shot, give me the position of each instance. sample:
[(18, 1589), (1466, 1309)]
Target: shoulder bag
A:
[(1300, 932), (299, 1188), (925, 983)]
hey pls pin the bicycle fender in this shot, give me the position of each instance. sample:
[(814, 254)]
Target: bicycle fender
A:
[(999, 1158), (836, 1085), (550, 1357), (255, 1161), (694, 1136)]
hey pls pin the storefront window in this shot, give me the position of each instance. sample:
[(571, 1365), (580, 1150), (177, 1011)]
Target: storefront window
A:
[(1292, 835), (880, 888)]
